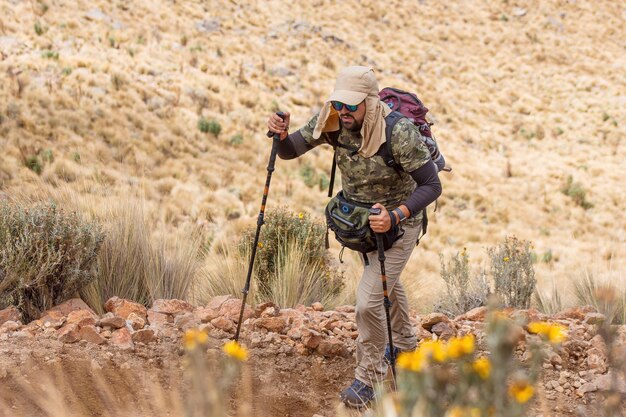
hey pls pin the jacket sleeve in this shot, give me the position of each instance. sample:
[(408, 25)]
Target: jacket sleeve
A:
[(428, 188)]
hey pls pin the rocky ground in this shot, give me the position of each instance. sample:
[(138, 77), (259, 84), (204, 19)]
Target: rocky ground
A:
[(299, 358)]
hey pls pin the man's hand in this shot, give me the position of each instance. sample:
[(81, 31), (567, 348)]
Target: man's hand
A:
[(380, 223), (277, 125)]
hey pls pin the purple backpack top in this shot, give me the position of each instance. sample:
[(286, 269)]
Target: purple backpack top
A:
[(408, 105)]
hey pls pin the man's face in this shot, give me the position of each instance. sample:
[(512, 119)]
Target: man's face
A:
[(353, 120)]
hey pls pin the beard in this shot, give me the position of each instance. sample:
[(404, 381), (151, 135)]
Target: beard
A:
[(351, 124)]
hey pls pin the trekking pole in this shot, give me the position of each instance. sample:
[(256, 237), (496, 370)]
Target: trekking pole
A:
[(386, 301), (259, 222)]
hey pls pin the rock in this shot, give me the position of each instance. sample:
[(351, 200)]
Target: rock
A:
[(186, 321), (232, 308), (346, 309), (9, 326), (272, 324), (173, 307), (596, 362), (268, 309), (332, 347), (574, 313), (68, 306), (52, 319), (122, 340), (317, 306), (157, 320), (475, 314), (311, 339), (205, 314), (208, 26), (223, 323), (69, 333), (90, 334), (216, 302), (594, 318), (123, 308), (82, 318), (10, 314), (443, 330), (135, 321), (144, 336), (433, 318), (111, 321)]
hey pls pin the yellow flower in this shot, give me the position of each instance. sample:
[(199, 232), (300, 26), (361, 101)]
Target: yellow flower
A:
[(460, 346), (434, 349), (411, 361), (506, 259), (482, 366), (555, 333), (522, 391), (260, 245), (457, 411), (235, 350), (194, 338), (301, 215)]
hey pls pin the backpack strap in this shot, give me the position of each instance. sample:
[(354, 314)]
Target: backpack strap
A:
[(386, 152)]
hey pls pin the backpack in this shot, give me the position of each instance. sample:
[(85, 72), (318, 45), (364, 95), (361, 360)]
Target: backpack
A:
[(403, 104)]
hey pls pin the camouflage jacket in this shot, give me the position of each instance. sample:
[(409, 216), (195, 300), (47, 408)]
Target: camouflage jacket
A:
[(370, 180)]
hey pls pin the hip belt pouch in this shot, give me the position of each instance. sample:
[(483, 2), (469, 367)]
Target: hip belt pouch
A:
[(350, 222)]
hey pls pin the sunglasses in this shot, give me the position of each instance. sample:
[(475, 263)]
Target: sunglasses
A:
[(338, 105)]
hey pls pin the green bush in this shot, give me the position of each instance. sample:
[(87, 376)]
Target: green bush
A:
[(513, 272), (46, 256), (291, 258), (577, 193), (463, 291), (307, 172), (209, 126)]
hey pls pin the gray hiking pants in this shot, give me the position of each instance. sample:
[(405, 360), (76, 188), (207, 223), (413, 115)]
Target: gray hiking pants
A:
[(370, 311)]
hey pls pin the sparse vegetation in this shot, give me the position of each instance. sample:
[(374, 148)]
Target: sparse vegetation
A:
[(46, 256), (209, 126), (577, 193), (291, 262), (463, 290), (513, 272), (601, 293)]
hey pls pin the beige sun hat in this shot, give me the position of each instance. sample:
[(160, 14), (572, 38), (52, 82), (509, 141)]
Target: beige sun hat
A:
[(354, 85)]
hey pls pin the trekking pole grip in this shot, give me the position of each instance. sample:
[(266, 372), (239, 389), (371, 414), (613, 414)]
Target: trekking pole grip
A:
[(269, 132)]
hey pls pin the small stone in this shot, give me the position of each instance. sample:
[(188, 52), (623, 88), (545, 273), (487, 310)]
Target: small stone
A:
[(135, 321), (332, 347), (205, 314), (594, 318), (272, 324), (144, 336), (69, 333), (82, 318), (173, 307), (123, 308), (559, 389), (443, 330), (433, 318), (90, 334), (223, 323), (317, 306), (70, 305), (10, 314), (186, 321), (475, 314), (111, 321), (122, 339)]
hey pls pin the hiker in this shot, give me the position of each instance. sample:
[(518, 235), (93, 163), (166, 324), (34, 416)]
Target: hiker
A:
[(353, 121)]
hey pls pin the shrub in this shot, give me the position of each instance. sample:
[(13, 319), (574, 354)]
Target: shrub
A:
[(549, 303), (513, 272), (307, 172), (463, 292), (291, 252), (209, 126), (577, 193), (46, 256), (609, 299), (236, 140), (132, 265)]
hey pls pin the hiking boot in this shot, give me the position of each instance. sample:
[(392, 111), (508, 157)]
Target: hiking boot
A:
[(396, 352), (357, 395)]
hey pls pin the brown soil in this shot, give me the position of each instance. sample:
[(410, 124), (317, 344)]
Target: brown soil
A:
[(45, 377)]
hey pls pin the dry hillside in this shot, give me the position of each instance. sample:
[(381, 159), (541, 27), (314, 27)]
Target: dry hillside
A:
[(104, 99)]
